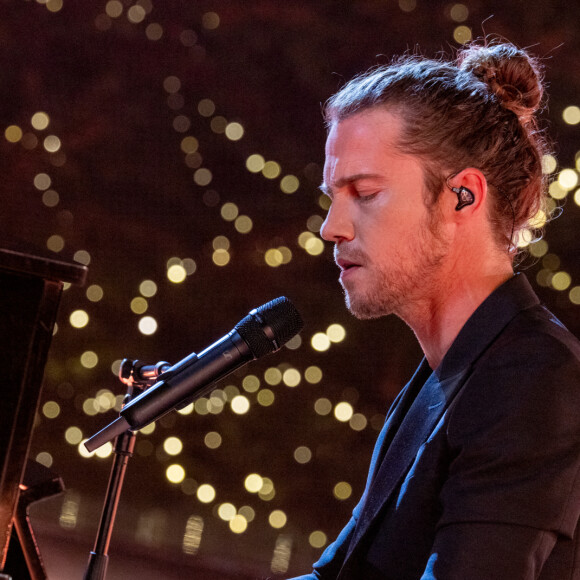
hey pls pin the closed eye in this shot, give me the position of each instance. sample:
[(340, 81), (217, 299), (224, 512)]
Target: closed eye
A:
[(367, 196)]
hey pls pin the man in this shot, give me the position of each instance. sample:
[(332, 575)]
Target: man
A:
[(433, 169)]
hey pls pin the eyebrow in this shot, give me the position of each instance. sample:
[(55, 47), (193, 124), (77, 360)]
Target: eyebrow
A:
[(326, 189)]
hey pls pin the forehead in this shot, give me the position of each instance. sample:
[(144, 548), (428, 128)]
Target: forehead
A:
[(362, 144)]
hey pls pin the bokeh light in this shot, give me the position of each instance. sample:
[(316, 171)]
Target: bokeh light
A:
[(79, 319), (234, 131), (320, 342), (40, 121), (13, 133), (302, 454), (253, 483), (571, 115), (55, 243), (95, 293), (255, 163), (147, 325), (238, 524), (175, 473), (176, 273), (51, 409), (277, 519), (173, 446), (212, 440), (206, 493), (139, 305), (343, 411), (342, 490), (240, 405), (462, 34), (317, 539), (89, 359)]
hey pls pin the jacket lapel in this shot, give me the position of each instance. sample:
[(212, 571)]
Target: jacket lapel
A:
[(395, 417), (419, 422)]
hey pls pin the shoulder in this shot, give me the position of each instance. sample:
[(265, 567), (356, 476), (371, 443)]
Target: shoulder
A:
[(529, 376), (513, 430), (539, 325), (534, 341)]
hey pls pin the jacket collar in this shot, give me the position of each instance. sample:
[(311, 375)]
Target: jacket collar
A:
[(488, 320)]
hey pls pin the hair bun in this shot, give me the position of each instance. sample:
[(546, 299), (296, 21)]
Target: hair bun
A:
[(510, 73)]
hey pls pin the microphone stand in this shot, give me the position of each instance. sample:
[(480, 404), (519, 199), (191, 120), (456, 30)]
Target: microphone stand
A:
[(129, 374)]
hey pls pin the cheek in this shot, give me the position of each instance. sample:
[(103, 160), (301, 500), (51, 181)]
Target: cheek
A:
[(381, 227), (388, 238)]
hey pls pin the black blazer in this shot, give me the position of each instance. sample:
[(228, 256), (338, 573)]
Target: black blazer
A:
[(476, 472)]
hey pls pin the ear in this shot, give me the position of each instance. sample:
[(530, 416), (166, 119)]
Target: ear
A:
[(466, 193)]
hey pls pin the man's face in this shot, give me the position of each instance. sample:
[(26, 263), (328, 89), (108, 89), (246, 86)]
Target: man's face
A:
[(388, 245)]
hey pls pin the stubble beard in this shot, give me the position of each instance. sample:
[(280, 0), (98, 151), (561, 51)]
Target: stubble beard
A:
[(399, 287)]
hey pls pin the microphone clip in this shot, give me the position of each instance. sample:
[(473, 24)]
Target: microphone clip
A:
[(135, 373)]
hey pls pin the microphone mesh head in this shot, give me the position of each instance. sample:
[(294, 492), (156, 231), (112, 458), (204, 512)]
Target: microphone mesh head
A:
[(270, 326)]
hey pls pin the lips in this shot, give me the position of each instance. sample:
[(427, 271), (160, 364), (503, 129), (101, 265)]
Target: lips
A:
[(347, 267), (346, 264)]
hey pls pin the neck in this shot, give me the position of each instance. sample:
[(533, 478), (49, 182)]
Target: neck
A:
[(437, 320)]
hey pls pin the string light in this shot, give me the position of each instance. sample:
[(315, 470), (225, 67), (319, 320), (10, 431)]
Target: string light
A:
[(462, 34), (342, 490), (317, 539), (176, 474), (571, 115)]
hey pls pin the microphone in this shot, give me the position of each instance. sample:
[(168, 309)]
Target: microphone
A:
[(264, 330)]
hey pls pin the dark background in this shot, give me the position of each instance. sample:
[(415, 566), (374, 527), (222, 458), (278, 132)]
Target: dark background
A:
[(128, 198)]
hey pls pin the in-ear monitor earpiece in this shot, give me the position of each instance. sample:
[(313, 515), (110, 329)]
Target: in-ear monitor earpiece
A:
[(465, 197)]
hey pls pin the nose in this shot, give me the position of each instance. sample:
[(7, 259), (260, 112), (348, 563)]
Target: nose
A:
[(338, 225)]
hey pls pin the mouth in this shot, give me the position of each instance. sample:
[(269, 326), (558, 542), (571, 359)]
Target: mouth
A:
[(346, 264), (347, 267)]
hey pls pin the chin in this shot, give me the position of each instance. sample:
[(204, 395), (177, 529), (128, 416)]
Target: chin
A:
[(366, 309)]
